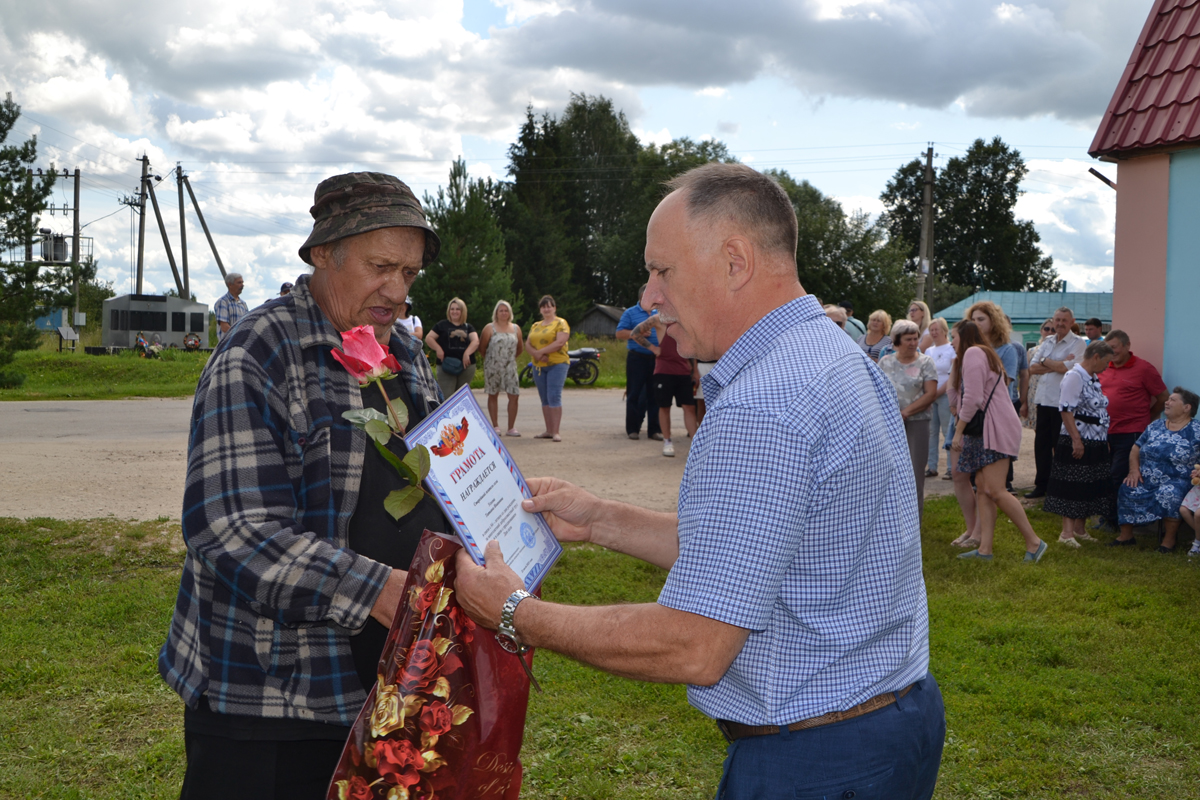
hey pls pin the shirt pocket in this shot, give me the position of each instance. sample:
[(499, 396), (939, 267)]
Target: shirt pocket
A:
[(275, 646)]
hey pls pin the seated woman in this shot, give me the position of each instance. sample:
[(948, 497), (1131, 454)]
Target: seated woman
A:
[(1160, 471)]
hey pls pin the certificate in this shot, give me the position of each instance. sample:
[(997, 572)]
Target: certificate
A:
[(480, 488)]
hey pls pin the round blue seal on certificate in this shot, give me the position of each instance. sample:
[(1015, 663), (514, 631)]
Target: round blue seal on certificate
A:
[(527, 534)]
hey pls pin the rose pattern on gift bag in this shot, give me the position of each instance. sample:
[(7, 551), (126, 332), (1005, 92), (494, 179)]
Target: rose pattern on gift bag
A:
[(420, 736)]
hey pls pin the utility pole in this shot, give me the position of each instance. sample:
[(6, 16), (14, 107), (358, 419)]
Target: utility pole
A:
[(75, 229), (166, 242), (142, 222), (203, 224), (187, 289), (926, 252), (29, 237)]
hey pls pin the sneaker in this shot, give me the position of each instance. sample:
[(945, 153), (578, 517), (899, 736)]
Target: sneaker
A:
[(658, 437), (975, 555), (1195, 551), (1069, 541), (947, 476), (635, 436), (668, 448)]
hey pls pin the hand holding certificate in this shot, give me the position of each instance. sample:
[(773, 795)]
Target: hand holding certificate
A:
[(480, 488)]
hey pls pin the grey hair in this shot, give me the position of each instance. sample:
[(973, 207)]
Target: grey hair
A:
[(232, 277), (1101, 348), (1065, 310), (752, 200), (902, 328)]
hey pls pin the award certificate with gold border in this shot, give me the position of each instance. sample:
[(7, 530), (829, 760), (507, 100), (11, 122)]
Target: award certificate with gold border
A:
[(480, 488)]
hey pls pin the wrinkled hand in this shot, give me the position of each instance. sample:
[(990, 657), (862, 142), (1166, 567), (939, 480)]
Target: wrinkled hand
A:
[(568, 510), (389, 599), (1133, 478), (483, 590)]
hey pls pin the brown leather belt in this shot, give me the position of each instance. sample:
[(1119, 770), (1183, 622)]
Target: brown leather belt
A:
[(736, 730)]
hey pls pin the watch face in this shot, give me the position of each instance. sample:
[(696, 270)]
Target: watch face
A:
[(508, 643)]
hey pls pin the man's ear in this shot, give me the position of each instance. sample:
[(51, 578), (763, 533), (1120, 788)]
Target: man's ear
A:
[(738, 254), (320, 256)]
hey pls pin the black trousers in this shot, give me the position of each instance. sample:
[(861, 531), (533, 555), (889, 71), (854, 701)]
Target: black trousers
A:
[(219, 768), (1119, 446), (1045, 436), (639, 393)]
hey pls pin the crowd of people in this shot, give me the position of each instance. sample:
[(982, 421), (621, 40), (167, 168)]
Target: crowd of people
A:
[(1100, 447)]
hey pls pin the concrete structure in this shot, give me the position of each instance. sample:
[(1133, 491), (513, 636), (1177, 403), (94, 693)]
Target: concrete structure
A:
[(599, 320), (1028, 310), (163, 319), (1151, 130)]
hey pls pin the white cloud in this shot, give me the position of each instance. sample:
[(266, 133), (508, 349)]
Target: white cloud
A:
[(712, 91)]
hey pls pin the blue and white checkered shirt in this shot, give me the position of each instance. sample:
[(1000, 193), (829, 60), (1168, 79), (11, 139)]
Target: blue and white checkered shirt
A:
[(798, 521), (229, 309)]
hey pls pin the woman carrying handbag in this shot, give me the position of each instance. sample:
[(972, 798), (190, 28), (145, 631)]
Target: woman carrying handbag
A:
[(987, 437)]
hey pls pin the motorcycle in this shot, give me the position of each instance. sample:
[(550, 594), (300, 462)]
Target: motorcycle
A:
[(584, 368)]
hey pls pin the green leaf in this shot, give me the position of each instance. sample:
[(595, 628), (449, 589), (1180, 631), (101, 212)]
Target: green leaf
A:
[(400, 466), (402, 501), (379, 430), (360, 417), (418, 461)]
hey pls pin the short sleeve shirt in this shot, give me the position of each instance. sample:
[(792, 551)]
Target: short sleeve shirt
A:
[(943, 359), (630, 319), (798, 521), (541, 334), (909, 380), (1131, 390), (454, 339), (1014, 359), (1049, 384)]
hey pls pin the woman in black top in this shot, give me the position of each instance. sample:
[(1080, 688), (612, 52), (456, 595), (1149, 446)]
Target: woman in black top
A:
[(454, 339)]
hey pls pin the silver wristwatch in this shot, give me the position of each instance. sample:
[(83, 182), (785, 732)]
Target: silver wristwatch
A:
[(506, 634)]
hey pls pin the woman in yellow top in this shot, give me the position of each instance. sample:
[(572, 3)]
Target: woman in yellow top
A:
[(547, 346)]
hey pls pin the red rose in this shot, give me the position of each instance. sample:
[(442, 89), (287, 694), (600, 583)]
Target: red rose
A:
[(357, 788), (423, 657), (436, 718), (363, 357), (399, 762), (464, 626), (427, 596)]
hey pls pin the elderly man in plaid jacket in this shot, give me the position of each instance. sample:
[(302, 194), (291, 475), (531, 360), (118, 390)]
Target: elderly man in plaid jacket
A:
[(293, 570)]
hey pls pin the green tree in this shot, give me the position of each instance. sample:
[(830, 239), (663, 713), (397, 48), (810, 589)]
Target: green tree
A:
[(845, 256), (472, 263), (27, 288), (978, 241), (92, 294)]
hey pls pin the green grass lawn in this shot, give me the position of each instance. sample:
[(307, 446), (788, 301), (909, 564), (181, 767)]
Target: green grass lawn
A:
[(51, 375), (1075, 677)]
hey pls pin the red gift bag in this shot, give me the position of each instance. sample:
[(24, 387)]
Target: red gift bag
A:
[(446, 716)]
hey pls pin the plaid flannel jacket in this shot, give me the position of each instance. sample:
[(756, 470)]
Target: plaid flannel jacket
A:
[(270, 594)]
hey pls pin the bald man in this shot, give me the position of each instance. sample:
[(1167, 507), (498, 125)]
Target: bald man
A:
[(794, 607)]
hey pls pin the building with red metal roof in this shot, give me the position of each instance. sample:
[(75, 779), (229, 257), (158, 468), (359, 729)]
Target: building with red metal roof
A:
[(1151, 129)]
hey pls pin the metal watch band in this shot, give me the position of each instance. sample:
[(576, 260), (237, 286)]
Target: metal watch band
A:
[(506, 633)]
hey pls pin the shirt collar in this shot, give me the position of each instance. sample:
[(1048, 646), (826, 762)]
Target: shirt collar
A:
[(755, 342), (314, 327), (1126, 365)]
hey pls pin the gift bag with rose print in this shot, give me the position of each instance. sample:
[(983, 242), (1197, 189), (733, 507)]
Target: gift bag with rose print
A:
[(446, 716)]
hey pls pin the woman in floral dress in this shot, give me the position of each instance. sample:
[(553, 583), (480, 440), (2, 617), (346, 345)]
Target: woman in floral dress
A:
[(1160, 471), (499, 346)]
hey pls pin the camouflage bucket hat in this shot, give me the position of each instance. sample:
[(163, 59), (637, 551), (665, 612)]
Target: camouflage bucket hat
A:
[(360, 202)]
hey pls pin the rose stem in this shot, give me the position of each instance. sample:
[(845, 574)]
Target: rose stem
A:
[(396, 426)]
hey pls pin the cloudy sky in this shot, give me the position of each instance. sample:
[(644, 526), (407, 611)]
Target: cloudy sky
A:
[(261, 100)]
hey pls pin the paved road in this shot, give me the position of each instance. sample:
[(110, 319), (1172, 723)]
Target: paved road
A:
[(126, 458)]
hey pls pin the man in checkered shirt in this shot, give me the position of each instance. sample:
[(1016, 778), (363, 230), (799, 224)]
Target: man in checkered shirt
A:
[(794, 607), (230, 307), (294, 569)]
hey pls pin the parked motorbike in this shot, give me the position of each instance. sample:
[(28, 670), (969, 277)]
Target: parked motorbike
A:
[(584, 368)]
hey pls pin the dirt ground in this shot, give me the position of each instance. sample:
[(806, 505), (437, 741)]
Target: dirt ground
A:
[(127, 458)]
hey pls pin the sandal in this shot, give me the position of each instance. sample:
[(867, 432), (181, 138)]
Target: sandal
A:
[(556, 438), (1069, 541), (513, 432), (544, 435), (964, 540)]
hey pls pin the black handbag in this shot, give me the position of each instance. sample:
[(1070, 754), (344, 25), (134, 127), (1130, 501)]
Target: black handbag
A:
[(975, 425)]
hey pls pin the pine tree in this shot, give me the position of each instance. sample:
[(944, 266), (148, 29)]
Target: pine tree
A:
[(27, 289), (472, 264)]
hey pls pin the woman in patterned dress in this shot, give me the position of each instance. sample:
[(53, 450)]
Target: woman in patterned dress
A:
[(1079, 478), (499, 345), (1160, 469)]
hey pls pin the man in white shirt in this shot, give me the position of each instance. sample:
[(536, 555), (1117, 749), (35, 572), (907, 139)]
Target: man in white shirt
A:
[(1053, 359)]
